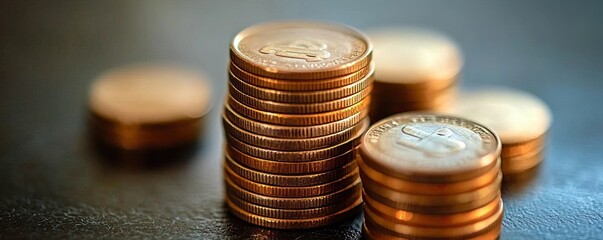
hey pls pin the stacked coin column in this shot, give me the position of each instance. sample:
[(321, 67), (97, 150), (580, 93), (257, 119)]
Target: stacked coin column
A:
[(415, 70), (297, 106), (430, 176)]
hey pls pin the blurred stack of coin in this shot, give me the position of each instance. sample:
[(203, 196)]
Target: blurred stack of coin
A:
[(430, 176), (415, 69), (519, 118), (148, 107), (297, 106)]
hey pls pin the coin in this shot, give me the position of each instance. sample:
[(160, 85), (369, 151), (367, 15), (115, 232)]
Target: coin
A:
[(431, 220), (419, 58), (300, 50), (523, 162), (301, 96), (303, 223), (295, 156), (293, 144), (402, 198), (517, 149), (492, 234), (276, 167), (350, 191), (457, 232), (290, 180), (278, 191), (430, 148), (272, 130), (297, 108), (281, 213), (295, 85), (515, 115), (428, 188)]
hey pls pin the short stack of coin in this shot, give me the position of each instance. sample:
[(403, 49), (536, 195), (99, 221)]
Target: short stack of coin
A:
[(415, 69), (297, 106), (430, 176), (519, 118)]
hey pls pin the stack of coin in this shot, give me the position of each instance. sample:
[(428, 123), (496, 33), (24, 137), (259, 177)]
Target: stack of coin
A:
[(519, 118), (430, 176), (415, 70), (297, 106), (148, 107)]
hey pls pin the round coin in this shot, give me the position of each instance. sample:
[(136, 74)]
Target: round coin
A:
[(522, 163), (300, 50), (372, 232), (521, 148), (430, 148)]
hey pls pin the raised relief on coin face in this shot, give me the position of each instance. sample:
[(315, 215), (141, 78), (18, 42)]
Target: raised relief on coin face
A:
[(309, 50), (430, 144)]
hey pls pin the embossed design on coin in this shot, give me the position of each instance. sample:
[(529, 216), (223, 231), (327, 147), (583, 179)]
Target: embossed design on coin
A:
[(438, 142), (309, 50)]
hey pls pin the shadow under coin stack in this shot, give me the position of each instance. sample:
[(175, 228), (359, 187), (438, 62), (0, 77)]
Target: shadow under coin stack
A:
[(430, 176), (297, 106), (415, 70), (520, 119)]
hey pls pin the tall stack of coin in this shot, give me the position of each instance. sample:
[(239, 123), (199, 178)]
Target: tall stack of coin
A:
[(416, 69), (430, 176), (519, 118), (297, 106)]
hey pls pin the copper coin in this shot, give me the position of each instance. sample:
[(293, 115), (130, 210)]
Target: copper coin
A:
[(272, 130), (515, 115), (293, 144), (350, 191), (431, 220), (290, 180), (278, 191), (356, 112), (296, 156), (431, 200), (458, 232), (301, 96), (297, 108), (521, 148), (409, 94), (428, 188), (370, 231), (522, 163), (415, 57), (277, 167), (282, 213), (296, 85), (303, 223), (300, 50), (430, 148)]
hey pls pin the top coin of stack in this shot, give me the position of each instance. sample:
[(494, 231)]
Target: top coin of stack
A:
[(415, 69), (148, 106), (430, 176), (297, 105), (519, 118)]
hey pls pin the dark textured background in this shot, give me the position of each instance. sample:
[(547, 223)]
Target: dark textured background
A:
[(53, 183)]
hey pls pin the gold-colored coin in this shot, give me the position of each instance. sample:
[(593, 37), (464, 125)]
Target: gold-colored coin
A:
[(296, 85), (401, 198), (272, 130), (416, 58), (457, 232), (301, 96), (451, 209), (405, 94), (278, 191), (293, 144), (374, 233), (521, 163), (515, 115), (296, 156), (517, 149), (290, 180), (281, 213), (277, 167), (300, 50), (430, 220), (303, 223), (348, 115), (298, 108), (430, 148), (350, 191), (428, 188)]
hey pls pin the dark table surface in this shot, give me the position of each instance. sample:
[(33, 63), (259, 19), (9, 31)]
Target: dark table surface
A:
[(54, 183)]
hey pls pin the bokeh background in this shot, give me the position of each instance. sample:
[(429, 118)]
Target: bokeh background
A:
[(54, 183)]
